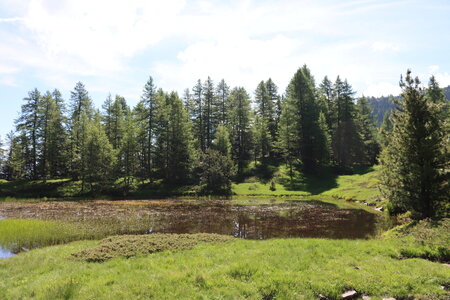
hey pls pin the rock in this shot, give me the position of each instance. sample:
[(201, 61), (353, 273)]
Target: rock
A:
[(365, 297), (447, 265), (322, 297), (390, 298), (371, 204), (381, 208), (349, 294)]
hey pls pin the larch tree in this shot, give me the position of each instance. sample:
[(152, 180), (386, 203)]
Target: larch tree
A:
[(240, 124), (28, 124), (150, 111), (309, 140), (222, 95), (81, 111)]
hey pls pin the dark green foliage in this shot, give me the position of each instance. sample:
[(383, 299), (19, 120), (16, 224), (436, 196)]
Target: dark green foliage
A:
[(309, 141), (216, 171), (81, 111), (97, 157), (222, 94), (348, 148), (385, 130), (240, 124), (265, 120), (366, 128), (415, 164), (2, 159)]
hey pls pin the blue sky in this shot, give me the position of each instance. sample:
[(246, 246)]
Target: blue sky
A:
[(113, 46)]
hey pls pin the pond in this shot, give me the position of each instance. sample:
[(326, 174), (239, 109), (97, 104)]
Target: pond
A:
[(5, 253), (289, 219)]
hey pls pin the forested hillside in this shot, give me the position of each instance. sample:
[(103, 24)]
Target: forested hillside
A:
[(382, 105), (210, 136)]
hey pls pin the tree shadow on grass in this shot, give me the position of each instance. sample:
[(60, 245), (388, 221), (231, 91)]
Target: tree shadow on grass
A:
[(314, 184)]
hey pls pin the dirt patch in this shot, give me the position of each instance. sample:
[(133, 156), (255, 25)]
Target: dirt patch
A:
[(132, 245)]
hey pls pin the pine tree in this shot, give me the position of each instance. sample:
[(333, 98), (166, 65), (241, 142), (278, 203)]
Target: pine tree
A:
[(197, 115), (174, 139), (347, 145), (28, 124), (309, 140), (264, 122), (129, 151), (274, 98), (52, 136), (2, 159), (385, 130), (151, 110), (366, 128), (287, 136), (222, 94), (222, 141), (18, 153), (210, 112), (415, 164), (97, 154), (240, 128), (81, 111)]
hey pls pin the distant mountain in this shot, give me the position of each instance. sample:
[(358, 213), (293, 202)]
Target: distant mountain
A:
[(382, 105)]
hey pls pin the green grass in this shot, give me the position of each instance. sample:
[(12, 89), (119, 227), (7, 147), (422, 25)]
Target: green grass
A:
[(281, 269), (16, 234), (363, 187), (134, 245)]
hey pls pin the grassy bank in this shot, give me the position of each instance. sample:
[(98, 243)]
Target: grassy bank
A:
[(282, 269), (362, 185)]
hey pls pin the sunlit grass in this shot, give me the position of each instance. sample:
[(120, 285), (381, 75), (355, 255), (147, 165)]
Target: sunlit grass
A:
[(278, 268)]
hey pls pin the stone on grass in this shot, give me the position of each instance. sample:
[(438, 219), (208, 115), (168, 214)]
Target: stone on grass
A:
[(349, 294)]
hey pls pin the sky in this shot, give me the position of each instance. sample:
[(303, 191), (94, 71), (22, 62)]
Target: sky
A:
[(114, 46)]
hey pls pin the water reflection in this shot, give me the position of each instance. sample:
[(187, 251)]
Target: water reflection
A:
[(5, 253), (263, 222), (273, 220)]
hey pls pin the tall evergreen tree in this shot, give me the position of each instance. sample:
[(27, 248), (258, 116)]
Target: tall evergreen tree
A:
[(174, 139), (346, 142), (415, 164), (2, 159), (81, 111), (309, 140), (53, 136), (148, 99), (28, 124), (366, 127), (197, 115), (210, 112), (97, 154), (240, 127), (264, 122), (222, 94), (287, 136), (385, 129)]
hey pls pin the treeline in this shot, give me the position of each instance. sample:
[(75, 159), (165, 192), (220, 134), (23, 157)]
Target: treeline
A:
[(385, 104), (207, 137)]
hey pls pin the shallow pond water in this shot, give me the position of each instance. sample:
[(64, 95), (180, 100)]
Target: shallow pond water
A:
[(260, 221), (5, 253)]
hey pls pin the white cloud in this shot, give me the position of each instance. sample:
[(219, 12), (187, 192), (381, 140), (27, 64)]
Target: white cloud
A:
[(100, 33), (382, 89), (385, 46)]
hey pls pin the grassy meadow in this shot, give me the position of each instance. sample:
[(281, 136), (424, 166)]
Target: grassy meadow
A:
[(236, 269), (80, 262)]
